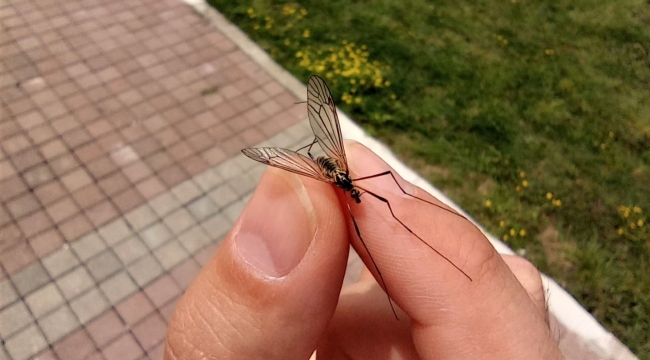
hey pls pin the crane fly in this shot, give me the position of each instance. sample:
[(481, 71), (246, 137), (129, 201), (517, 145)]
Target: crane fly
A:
[(333, 168)]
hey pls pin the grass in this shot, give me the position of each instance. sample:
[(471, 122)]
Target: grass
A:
[(534, 116)]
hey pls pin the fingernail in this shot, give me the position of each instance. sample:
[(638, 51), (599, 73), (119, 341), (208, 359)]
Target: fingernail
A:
[(277, 225)]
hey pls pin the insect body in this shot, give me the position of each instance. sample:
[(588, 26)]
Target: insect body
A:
[(333, 168)]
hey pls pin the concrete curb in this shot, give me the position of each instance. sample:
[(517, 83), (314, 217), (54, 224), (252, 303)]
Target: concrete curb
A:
[(561, 304)]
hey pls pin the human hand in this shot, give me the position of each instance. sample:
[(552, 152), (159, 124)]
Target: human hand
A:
[(271, 290)]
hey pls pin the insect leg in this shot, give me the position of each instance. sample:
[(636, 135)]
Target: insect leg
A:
[(384, 200), (309, 148), (381, 277), (405, 193)]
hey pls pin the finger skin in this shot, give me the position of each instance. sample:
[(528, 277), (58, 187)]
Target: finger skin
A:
[(232, 311), (531, 280), (490, 317)]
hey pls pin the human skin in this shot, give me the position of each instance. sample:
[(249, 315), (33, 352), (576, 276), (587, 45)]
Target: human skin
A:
[(273, 288)]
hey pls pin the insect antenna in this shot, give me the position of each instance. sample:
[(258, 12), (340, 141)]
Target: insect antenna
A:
[(384, 200), (381, 277)]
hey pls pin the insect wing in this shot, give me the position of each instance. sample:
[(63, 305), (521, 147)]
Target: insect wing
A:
[(324, 121), (286, 160)]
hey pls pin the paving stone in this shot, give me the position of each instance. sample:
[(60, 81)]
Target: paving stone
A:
[(233, 210), (170, 254), (103, 265), (194, 239), (151, 331), (179, 220), (202, 207), (156, 235), (186, 191), (30, 279), (164, 203), (76, 346), (7, 293), (141, 217), (60, 261), (130, 250), (124, 348), (58, 323), (145, 270), (44, 300), (26, 344), (105, 328), (88, 246), (243, 184), (185, 273), (5, 356), (118, 287), (208, 180), (89, 305), (217, 226), (13, 318), (135, 308), (229, 169), (223, 195), (115, 231), (75, 282), (162, 291)]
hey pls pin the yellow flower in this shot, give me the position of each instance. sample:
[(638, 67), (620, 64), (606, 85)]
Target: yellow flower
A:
[(357, 100), (502, 223), (393, 97), (620, 231), (611, 134), (639, 223), (522, 232), (505, 237), (288, 10), (603, 146), (299, 54), (353, 81), (303, 12), (549, 51), (522, 174), (488, 203), (549, 195), (306, 33), (256, 27), (557, 202), (518, 188), (637, 209), (386, 83), (632, 226), (524, 183), (513, 232), (250, 10), (287, 42)]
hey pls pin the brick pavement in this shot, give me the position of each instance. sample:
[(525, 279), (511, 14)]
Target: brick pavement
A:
[(119, 169)]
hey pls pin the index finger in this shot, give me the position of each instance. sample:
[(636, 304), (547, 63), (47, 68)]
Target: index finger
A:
[(449, 311)]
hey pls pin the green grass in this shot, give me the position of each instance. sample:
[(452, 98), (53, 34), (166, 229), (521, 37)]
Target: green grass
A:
[(532, 115)]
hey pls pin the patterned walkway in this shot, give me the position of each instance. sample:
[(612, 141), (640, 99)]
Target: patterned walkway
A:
[(121, 125)]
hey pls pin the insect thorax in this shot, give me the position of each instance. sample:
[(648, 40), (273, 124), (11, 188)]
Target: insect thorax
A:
[(332, 170)]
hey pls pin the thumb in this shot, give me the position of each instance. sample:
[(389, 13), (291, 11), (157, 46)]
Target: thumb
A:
[(272, 287)]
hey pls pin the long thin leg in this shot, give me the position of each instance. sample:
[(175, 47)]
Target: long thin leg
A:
[(411, 231), (381, 277), (405, 193), (308, 145)]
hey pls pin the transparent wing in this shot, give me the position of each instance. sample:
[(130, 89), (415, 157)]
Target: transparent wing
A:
[(324, 121), (287, 160)]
